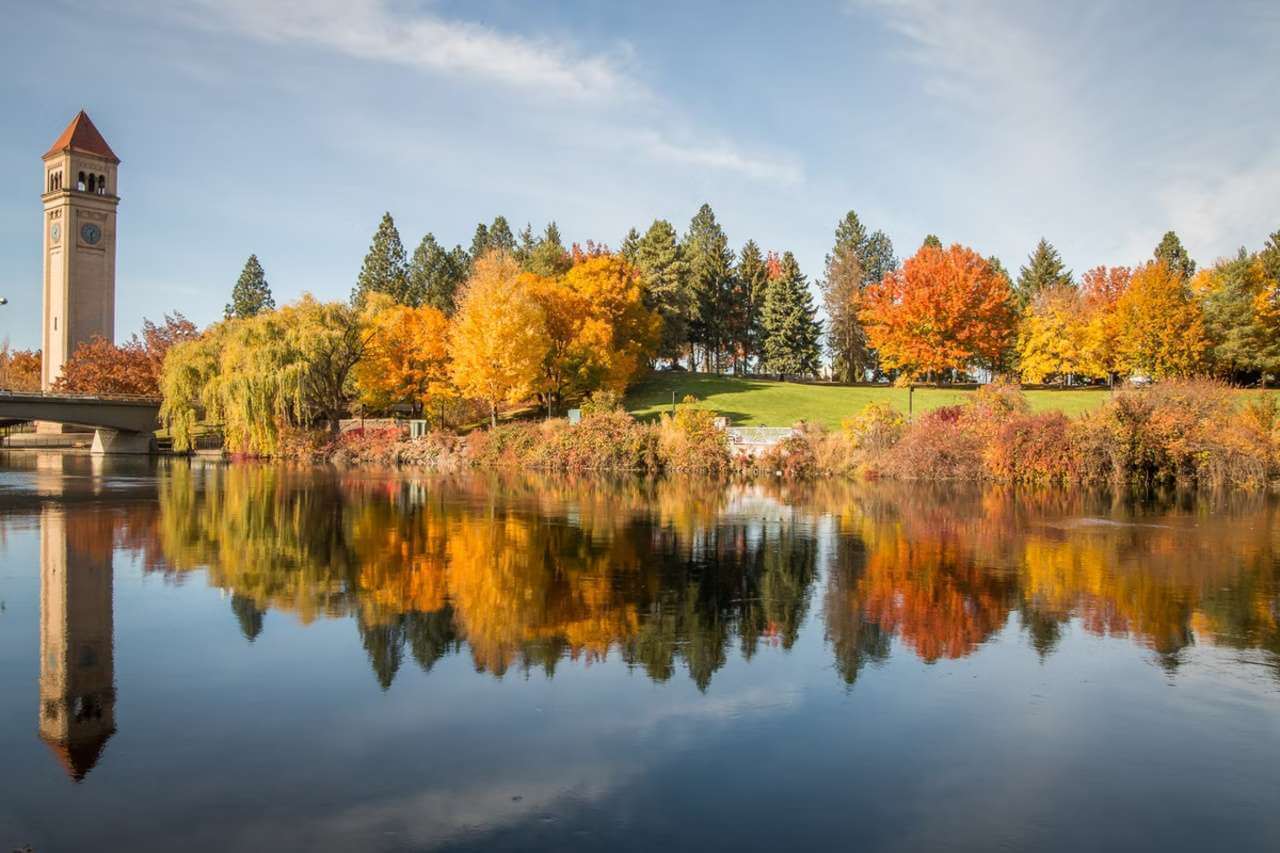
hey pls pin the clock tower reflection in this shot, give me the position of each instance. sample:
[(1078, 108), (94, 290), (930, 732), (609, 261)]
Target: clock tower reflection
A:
[(77, 671)]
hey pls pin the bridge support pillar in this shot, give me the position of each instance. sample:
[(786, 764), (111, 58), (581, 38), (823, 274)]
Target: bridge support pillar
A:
[(112, 441)]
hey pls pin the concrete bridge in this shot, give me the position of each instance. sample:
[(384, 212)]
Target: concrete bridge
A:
[(120, 424)]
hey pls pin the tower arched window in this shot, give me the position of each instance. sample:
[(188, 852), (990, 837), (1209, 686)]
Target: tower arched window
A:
[(53, 177), (102, 185), (80, 183), (92, 186)]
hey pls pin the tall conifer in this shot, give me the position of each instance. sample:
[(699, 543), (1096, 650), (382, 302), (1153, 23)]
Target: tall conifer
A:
[(384, 269), (251, 295), (792, 335)]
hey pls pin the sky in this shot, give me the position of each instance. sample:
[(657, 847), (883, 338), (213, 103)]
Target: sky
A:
[(286, 129)]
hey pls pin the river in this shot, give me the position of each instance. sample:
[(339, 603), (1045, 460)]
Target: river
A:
[(252, 657)]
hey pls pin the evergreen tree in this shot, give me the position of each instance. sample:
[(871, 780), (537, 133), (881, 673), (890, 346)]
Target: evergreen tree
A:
[(435, 275), (524, 249), (664, 276), (248, 615), (932, 241), (500, 236), (384, 269), (752, 276), (251, 295), (1000, 270), (841, 288), (877, 256), (479, 242), (1270, 257), (1043, 270), (792, 335), (1229, 315), (629, 245), (1175, 257), (548, 258), (710, 272)]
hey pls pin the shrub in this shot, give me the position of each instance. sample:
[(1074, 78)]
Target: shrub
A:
[(940, 445), (878, 427), (689, 440), (606, 440), (1031, 448), (600, 402), (792, 458)]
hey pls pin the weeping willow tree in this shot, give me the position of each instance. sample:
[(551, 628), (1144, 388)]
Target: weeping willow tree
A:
[(256, 375)]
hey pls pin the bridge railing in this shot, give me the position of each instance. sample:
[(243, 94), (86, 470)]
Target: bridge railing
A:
[(78, 396)]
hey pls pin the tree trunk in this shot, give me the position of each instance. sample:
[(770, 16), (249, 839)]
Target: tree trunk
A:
[(493, 415)]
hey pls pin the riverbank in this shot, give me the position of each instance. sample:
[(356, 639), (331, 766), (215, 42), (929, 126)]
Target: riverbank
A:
[(1177, 432)]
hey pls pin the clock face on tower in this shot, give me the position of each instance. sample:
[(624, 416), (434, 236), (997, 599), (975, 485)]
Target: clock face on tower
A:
[(90, 233), (55, 232)]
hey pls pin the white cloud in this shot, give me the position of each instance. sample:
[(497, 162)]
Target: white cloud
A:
[(718, 156), (368, 29)]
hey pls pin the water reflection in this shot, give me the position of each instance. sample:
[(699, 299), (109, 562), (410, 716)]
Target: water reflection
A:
[(77, 671), (524, 573)]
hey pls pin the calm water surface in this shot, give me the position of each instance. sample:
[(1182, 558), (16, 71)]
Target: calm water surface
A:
[(255, 658)]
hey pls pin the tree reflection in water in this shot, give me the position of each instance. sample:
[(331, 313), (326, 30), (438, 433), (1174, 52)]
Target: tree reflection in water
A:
[(525, 572)]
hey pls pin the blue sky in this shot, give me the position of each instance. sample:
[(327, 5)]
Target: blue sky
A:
[(287, 128)]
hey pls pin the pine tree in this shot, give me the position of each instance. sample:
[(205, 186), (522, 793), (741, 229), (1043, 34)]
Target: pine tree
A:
[(384, 269), (479, 242), (877, 256), (435, 275), (710, 272), (932, 240), (251, 295), (526, 244), (664, 276), (548, 258), (629, 244), (752, 275), (1175, 257), (792, 335), (1044, 269), (1270, 257), (841, 288), (500, 236)]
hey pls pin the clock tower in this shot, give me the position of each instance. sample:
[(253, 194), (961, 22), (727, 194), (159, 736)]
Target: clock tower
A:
[(80, 199)]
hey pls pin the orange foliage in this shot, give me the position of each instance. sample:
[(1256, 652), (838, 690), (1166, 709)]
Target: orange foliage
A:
[(101, 367), (944, 309)]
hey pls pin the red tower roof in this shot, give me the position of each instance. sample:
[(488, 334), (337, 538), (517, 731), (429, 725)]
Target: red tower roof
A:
[(82, 136)]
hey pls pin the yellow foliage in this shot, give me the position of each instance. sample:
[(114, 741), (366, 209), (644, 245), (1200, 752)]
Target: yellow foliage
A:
[(498, 337), (1162, 332), (406, 358), (1052, 340)]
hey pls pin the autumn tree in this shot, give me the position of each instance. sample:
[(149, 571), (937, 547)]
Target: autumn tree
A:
[(384, 269), (945, 309), (1100, 291), (664, 280), (1161, 327), (1044, 269), (434, 275), (132, 368), (252, 294), (598, 332), (1052, 335), (287, 368), (405, 361), (19, 369), (1171, 252), (792, 335), (498, 336)]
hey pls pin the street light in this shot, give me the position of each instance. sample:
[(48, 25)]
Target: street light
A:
[(3, 301)]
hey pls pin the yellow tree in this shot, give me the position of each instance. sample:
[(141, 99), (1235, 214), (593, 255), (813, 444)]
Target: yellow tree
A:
[(1101, 289), (406, 358), (599, 334), (1051, 337), (498, 336), (1162, 332)]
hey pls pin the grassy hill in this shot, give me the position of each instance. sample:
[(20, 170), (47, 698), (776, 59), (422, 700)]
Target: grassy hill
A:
[(759, 402)]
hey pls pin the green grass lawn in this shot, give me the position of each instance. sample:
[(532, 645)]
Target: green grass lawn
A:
[(758, 402)]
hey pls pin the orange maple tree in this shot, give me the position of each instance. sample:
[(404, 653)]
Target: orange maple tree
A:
[(102, 367), (944, 309)]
